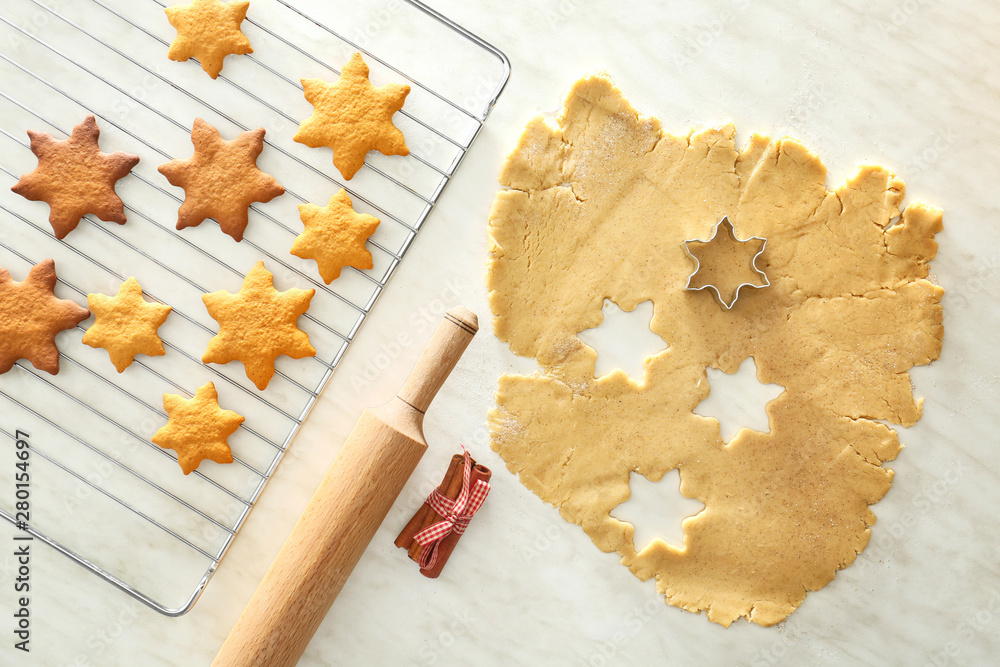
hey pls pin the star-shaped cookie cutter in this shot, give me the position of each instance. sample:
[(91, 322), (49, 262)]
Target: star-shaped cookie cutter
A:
[(731, 231)]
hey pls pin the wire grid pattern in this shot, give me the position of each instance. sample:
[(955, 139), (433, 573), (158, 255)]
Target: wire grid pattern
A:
[(102, 491)]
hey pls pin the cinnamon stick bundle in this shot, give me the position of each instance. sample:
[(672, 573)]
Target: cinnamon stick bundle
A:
[(450, 487), (421, 520)]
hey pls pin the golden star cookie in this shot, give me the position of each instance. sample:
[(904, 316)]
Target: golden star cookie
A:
[(75, 178), (221, 179), (125, 325), (335, 236), (208, 30), (30, 317), (257, 325), (353, 117), (197, 428)]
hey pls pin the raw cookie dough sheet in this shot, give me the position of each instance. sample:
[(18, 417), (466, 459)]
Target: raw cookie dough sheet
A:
[(598, 206)]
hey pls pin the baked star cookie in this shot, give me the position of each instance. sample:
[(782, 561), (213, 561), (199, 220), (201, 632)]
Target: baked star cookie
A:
[(208, 30), (31, 316), (353, 117), (221, 179), (75, 178), (335, 236), (197, 428), (125, 325), (257, 325)]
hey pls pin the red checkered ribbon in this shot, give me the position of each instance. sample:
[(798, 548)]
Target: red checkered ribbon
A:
[(456, 512)]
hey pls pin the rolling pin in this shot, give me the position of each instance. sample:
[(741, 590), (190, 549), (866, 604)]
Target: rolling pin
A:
[(338, 523)]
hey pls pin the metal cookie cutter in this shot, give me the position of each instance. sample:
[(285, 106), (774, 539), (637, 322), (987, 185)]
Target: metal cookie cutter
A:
[(734, 240)]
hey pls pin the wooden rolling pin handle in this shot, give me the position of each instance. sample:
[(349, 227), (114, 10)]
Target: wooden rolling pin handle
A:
[(439, 358), (343, 515)]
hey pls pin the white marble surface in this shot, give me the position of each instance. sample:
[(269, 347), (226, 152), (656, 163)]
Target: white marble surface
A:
[(911, 84)]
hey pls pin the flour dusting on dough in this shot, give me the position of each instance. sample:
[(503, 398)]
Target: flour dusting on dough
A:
[(598, 207)]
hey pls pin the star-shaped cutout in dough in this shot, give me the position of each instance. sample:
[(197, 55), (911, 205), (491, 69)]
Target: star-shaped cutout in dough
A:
[(657, 510), (623, 340), (30, 317), (221, 179), (738, 400), (75, 178), (257, 325), (125, 325), (353, 117), (208, 30), (724, 263), (197, 428), (335, 236)]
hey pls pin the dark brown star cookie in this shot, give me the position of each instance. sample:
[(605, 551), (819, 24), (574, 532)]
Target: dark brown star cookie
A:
[(221, 179), (31, 316), (75, 178)]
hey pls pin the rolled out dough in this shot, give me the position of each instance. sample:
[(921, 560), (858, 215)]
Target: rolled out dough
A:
[(598, 206)]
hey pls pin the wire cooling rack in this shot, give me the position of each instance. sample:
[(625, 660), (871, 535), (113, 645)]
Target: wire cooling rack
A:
[(101, 492)]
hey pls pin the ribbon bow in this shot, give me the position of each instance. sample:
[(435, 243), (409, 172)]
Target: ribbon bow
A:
[(456, 514)]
